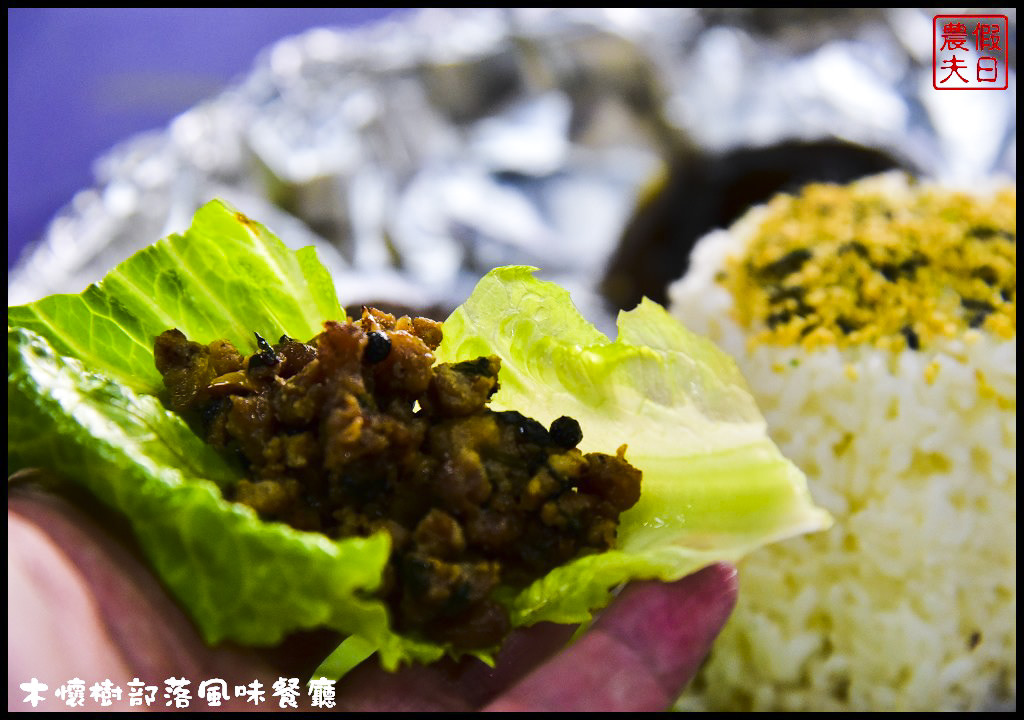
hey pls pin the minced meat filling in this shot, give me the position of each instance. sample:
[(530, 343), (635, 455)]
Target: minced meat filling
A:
[(358, 431)]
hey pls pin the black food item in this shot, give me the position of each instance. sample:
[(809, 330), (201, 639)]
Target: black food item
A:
[(704, 191)]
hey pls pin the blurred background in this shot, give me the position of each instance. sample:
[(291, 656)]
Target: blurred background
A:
[(419, 148), (80, 80)]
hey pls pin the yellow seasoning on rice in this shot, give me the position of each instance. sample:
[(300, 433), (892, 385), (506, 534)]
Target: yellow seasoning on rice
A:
[(835, 267)]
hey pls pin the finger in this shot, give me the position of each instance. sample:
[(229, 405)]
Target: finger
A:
[(640, 653), (79, 588), (48, 602)]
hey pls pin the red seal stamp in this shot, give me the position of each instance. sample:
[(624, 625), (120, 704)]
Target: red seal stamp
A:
[(970, 52)]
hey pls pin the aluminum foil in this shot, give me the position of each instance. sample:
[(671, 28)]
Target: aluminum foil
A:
[(418, 153)]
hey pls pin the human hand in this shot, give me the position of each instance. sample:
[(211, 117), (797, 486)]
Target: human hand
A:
[(80, 605)]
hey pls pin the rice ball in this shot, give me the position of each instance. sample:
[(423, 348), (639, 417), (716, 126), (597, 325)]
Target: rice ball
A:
[(876, 326)]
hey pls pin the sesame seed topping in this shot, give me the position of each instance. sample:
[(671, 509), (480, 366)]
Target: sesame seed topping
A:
[(864, 264)]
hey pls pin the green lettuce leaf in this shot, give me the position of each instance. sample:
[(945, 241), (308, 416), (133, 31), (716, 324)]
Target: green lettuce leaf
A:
[(227, 277), (141, 459), (82, 402), (714, 486)]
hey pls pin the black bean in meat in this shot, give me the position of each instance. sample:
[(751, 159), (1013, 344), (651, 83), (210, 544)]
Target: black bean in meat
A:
[(378, 347), (265, 358), (566, 432), (528, 429)]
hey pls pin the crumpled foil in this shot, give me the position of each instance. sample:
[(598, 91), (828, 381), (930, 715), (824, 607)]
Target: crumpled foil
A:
[(420, 152)]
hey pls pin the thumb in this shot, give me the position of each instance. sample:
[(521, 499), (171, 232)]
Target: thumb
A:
[(639, 654)]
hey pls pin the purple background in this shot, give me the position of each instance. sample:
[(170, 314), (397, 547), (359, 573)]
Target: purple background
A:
[(81, 80)]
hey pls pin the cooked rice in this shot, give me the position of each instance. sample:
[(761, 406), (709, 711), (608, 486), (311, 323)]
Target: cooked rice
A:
[(909, 601)]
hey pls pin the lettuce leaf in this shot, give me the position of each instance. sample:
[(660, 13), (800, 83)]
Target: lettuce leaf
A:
[(714, 486), (82, 402), (225, 278)]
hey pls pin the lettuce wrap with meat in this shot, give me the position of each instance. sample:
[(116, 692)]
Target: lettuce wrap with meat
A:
[(84, 402)]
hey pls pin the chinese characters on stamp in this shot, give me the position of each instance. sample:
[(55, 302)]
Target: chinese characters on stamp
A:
[(970, 52)]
